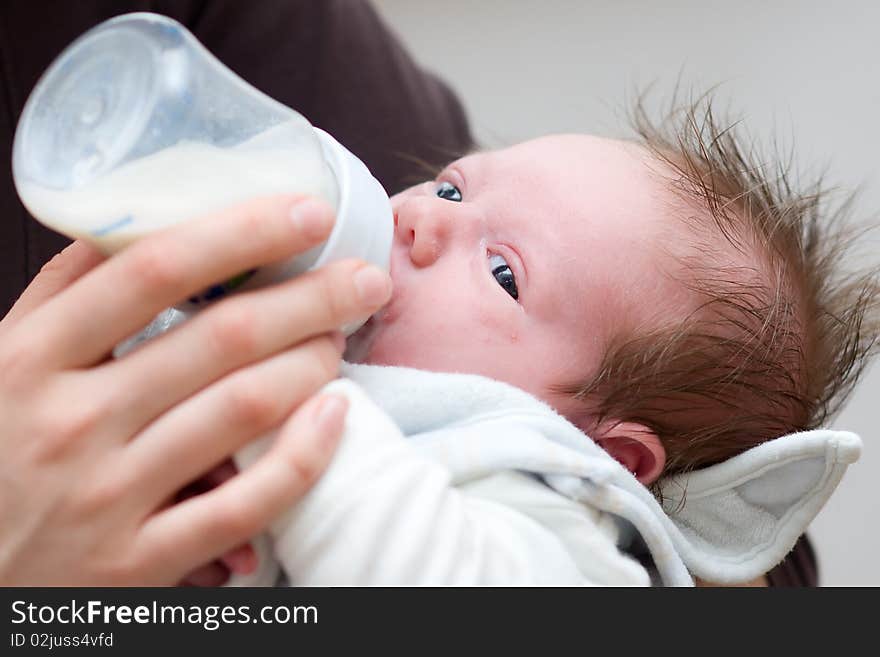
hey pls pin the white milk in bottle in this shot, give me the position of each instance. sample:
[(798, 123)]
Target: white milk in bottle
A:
[(136, 127), (184, 181)]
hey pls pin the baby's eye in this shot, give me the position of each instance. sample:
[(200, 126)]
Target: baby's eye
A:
[(449, 192), (503, 274)]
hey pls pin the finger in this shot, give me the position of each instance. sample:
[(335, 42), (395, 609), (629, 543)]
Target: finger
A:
[(63, 269), (241, 560), (204, 527), (212, 574), (239, 331), (218, 475), (206, 429), (214, 478), (113, 301)]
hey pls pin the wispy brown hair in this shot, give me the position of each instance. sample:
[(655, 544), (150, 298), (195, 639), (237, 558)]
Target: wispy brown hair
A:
[(774, 346)]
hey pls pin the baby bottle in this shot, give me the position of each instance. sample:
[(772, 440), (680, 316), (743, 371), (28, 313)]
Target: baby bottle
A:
[(136, 126)]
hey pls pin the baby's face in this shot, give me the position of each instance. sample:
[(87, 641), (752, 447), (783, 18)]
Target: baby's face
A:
[(520, 264)]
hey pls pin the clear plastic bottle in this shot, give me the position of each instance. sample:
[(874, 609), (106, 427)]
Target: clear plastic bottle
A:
[(136, 126)]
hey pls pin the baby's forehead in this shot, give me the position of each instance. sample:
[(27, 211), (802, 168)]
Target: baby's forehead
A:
[(608, 179), (572, 148), (604, 183), (626, 183), (591, 165)]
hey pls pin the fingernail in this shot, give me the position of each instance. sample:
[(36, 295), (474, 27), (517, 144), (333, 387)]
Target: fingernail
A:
[(373, 285), (329, 409), (311, 218), (338, 340)]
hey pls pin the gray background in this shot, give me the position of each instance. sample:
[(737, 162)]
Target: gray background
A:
[(805, 72)]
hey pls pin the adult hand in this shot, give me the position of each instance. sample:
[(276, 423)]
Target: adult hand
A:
[(94, 449), (241, 559)]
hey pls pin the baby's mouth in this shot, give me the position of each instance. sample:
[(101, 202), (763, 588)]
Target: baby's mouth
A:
[(359, 343)]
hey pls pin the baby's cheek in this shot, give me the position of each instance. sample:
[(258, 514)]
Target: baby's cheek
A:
[(475, 343), (498, 327)]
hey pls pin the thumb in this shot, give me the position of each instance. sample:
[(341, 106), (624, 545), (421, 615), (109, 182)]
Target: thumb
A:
[(62, 270)]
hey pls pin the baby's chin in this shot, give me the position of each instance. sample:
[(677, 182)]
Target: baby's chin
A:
[(377, 343)]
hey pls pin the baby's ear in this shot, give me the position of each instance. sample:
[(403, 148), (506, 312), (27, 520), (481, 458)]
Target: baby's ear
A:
[(634, 446), (739, 518)]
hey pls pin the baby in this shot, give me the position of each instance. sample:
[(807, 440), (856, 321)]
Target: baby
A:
[(665, 300)]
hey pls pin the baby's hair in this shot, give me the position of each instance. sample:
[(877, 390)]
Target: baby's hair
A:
[(781, 332)]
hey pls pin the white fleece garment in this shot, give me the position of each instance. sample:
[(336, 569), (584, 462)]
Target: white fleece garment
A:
[(458, 479), (392, 510), (455, 479)]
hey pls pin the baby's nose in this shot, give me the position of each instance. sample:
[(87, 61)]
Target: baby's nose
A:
[(424, 225)]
